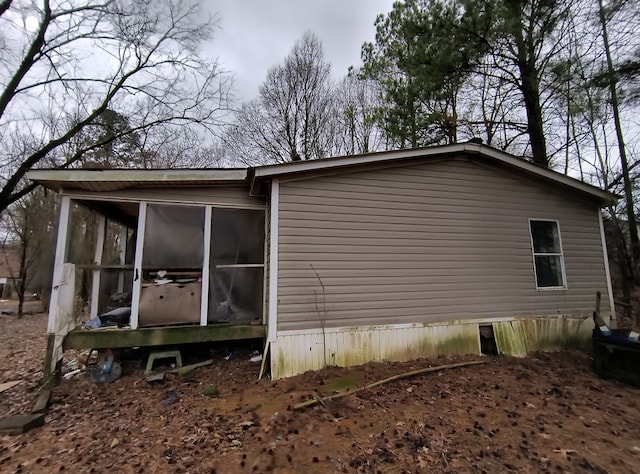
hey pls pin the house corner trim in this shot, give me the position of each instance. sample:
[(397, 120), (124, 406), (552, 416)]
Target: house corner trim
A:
[(272, 325), (605, 257)]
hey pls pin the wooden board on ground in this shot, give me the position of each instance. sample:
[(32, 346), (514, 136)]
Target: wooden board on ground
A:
[(18, 424), (7, 385), (42, 402), (156, 377)]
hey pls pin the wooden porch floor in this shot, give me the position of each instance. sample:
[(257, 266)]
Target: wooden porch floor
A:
[(158, 336)]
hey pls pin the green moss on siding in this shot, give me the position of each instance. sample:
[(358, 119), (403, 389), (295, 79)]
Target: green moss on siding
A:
[(281, 365), (518, 338), (437, 345), (359, 347), (509, 339), (460, 344)]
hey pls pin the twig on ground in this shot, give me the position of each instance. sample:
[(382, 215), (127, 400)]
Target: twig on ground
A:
[(317, 400)]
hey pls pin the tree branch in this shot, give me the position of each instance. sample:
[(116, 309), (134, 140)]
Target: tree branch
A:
[(28, 60)]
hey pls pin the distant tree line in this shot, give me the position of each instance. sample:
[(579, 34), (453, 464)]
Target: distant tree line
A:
[(554, 81)]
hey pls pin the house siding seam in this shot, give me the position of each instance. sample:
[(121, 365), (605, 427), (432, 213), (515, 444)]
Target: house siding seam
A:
[(428, 242)]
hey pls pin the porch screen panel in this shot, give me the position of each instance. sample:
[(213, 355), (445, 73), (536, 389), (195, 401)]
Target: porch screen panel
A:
[(173, 237), (236, 265), (174, 242)]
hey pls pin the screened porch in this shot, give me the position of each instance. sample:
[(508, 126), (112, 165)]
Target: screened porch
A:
[(147, 272)]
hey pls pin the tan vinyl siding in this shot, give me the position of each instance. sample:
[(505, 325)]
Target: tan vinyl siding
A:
[(231, 196), (428, 242)]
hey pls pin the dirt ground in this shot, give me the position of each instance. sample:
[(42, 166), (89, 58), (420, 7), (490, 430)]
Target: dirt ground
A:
[(544, 413)]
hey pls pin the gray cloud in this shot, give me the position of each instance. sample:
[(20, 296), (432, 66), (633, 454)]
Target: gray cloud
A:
[(255, 35)]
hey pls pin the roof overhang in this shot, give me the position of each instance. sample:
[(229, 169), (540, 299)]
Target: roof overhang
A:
[(300, 168), (94, 180), (116, 179)]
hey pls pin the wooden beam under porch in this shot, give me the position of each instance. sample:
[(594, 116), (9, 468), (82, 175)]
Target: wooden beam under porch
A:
[(159, 336)]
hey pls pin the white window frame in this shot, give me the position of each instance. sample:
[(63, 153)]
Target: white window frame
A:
[(547, 254)]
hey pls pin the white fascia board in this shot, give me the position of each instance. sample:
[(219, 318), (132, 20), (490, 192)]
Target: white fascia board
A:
[(328, 163), (137, 175), (270, 171), (543, 172)]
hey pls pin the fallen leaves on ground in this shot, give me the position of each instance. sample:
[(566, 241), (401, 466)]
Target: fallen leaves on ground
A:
[(547, 412)]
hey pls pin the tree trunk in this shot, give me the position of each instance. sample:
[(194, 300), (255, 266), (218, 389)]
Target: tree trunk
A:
[(531, 93), (22, 281), (628, 191), (530, 84)]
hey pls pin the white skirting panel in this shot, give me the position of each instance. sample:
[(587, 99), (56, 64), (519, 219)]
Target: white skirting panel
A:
[(521, 337), (295, 352)]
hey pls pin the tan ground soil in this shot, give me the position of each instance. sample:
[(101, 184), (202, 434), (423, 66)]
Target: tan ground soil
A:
[(545, 413)]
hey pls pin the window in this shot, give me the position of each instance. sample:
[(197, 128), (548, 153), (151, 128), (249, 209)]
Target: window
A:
[(548, 261)]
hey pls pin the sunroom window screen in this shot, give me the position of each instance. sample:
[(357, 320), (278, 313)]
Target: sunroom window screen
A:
[(547, 254), (236, 265), (173, 237)]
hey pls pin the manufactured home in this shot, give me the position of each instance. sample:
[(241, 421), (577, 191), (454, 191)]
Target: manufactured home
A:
[(384, 256)]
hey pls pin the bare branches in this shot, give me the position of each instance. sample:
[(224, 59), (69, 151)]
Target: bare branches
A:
[(4, 6), (29, 59), (290, 120), (83, 58)]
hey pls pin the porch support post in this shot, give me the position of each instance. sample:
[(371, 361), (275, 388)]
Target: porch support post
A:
[(204, 302), (272, 326), (50, 363), (97, 260), (137, 266), (61, 256)]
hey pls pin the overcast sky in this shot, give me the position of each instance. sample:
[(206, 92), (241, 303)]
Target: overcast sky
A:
[(255, 35)]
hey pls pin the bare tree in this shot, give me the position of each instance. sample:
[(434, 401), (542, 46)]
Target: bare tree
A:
[(356, 115), (65, 64), (28, 227), (289, 120), (491, 109), (612, 83)]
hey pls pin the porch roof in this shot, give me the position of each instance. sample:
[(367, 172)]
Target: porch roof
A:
[(103, 180)]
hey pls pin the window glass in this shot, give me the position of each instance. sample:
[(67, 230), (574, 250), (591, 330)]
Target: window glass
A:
[(545, 237), (547, 254), (548, 270)]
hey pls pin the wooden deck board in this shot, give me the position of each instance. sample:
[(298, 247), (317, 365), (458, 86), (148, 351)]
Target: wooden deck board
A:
[(158, 336)]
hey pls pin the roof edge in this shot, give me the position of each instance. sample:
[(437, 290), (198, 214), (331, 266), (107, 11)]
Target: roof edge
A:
[(57, 179), (273, 171), (70, 175)]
